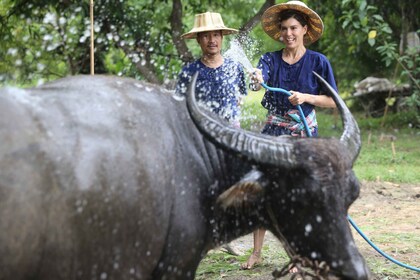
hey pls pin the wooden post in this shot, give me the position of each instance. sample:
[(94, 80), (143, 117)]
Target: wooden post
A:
[(393, 150), (92, 39)]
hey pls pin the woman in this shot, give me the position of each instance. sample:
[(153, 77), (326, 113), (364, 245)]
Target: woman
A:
[(291, 68)]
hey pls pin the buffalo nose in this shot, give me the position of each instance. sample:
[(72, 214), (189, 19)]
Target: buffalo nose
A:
[(357, 270), (357, 275)]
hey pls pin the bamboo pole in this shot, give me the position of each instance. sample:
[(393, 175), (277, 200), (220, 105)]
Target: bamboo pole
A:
[(394, 153), (92, 39)]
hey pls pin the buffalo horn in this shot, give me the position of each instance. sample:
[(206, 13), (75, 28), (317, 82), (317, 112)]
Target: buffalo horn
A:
[(255, 146), (351, 132)]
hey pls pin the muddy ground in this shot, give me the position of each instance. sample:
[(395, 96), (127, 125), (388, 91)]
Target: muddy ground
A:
[(389, 214)]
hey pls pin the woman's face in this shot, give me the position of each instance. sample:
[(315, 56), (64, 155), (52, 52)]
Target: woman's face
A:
[(210, 42), (292, 33)]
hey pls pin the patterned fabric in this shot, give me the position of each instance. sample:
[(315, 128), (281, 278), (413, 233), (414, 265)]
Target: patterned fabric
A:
[(291, 122), (218, 88)]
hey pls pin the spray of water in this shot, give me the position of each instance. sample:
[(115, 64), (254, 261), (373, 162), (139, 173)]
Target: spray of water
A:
[(236, 53)]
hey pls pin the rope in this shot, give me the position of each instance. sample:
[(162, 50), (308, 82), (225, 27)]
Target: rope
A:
[(308, 133), (321, 269), (379, 250)]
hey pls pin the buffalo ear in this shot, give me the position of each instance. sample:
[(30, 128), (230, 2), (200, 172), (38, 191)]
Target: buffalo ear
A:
[(240, 195)]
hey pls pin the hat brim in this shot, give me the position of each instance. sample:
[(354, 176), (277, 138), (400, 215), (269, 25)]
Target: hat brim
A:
[(270, 22), (193, 33)]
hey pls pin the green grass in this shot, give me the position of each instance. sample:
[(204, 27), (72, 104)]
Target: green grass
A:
[(253, 114), (386, 269), (389, 153), (218, 264)]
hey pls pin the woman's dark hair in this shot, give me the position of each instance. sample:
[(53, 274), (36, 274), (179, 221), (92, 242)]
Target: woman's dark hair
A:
[(300, 17)]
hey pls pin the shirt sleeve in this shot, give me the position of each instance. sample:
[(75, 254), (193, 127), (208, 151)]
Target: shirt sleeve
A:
[(328, 74), (264, 65)]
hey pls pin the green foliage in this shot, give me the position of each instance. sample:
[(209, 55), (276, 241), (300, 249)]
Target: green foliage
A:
[(366, 21), (367, 26), (116, 62), (387, 51), (41, 43), (410, 63), (45, 40)]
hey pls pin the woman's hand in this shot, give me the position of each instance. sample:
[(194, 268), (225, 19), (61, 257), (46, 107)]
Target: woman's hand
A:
[(256, 79), (324, 101), (297, 98)]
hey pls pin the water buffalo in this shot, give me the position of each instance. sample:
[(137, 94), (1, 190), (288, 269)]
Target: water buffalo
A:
[(110, 178)]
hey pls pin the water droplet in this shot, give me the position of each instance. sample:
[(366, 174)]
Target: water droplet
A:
[(12, 51)]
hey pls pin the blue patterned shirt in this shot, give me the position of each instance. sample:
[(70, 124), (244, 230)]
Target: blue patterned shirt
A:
[(218, 88)]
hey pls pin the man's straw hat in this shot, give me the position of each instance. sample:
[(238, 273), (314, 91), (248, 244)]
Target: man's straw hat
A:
[(208, 22), (270, 21)]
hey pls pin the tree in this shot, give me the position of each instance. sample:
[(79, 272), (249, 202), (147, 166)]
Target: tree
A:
[(50, 39), (384, 29)]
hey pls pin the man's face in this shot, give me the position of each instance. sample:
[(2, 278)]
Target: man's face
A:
[(210, 42)]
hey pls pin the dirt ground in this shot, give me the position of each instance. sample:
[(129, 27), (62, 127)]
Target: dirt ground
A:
[(387, 213)]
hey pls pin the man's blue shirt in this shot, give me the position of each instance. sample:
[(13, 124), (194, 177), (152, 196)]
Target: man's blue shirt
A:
[(218, 88)]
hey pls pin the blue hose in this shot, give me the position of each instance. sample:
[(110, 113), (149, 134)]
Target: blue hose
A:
[(302, 116), (379, 250), (308, 133)]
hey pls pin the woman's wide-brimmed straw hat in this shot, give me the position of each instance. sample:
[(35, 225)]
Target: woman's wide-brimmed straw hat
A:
[(208, 22), (270, 21)]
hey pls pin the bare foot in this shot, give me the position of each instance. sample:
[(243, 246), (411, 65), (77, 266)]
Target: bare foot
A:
[(293, 270), (254, 258)]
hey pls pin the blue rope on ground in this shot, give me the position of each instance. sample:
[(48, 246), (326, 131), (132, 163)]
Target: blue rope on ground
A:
[(379, 250), (308, 133)]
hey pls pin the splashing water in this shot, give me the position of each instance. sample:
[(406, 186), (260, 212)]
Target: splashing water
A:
[(236, 53)]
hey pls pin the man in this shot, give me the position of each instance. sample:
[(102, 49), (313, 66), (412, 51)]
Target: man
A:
[(221, 81)]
